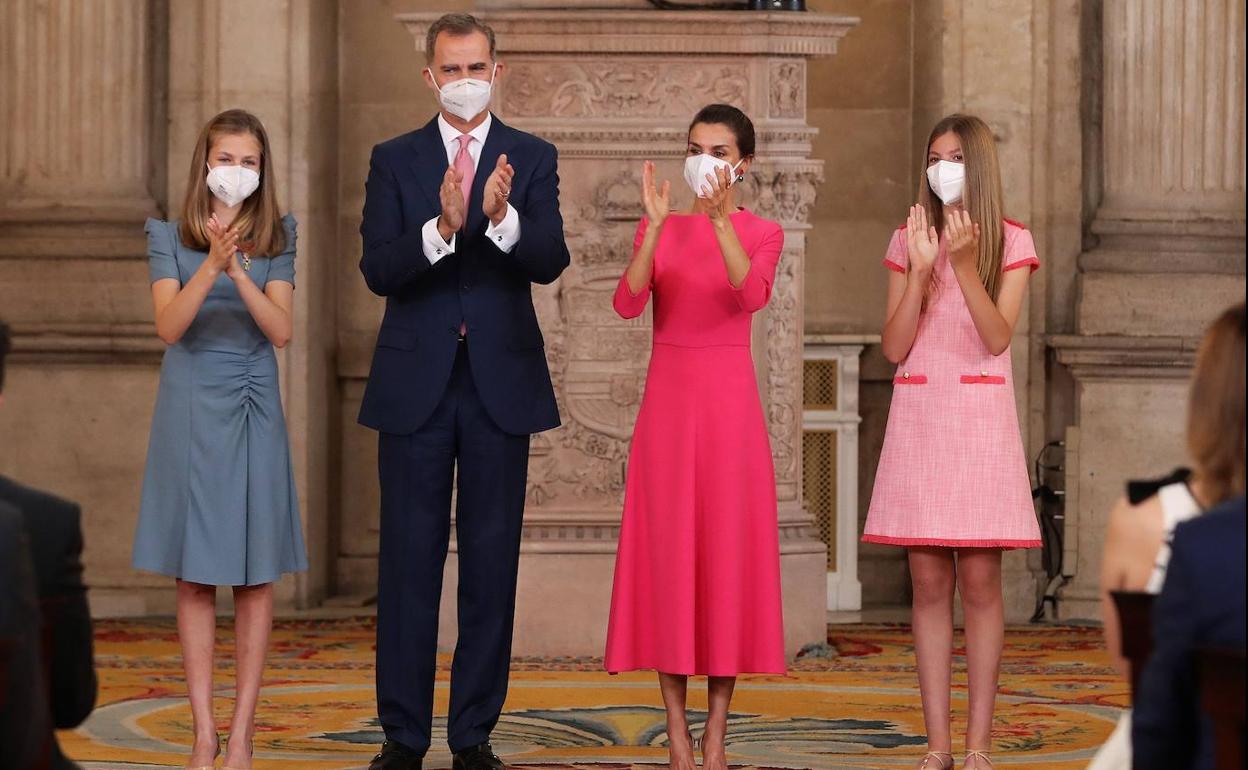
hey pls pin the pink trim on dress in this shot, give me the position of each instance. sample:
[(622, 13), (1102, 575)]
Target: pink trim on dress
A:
[(1031, 262), (982, 379), (912, 379), (891, 265), (938, 542)]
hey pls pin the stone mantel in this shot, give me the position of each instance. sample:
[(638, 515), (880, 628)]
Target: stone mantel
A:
[(642, 31)]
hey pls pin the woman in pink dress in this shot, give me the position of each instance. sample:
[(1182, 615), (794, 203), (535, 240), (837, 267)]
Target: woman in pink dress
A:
[(697, 578), (952, 484)]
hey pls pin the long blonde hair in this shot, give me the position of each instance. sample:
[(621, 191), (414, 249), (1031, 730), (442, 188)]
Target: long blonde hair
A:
[(260, 219), (1215, 416), (982, 197)]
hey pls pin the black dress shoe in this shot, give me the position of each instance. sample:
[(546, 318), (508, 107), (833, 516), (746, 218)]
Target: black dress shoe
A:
[(478, 758), (396, 756)]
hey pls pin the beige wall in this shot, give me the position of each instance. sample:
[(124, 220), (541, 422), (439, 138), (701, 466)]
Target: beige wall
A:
[(382, 96), (333, 77), (861, 101)]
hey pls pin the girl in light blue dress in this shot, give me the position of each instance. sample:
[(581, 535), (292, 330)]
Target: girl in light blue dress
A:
[(219, 504)]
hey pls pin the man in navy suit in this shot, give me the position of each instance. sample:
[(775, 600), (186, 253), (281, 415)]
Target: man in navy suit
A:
[(461, 217), (51, 544), (1201, 605)]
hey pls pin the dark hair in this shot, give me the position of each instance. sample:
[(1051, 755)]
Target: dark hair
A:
[(457, 25), (736, 121), (4, 350)]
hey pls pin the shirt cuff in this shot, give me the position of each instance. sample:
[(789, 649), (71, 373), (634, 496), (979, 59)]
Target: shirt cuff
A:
[(507, 233), (435, 247)]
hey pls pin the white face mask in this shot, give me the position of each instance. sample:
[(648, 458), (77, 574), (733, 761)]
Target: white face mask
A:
[(465, 98), (697, 167), (947, 179), (232, 184)]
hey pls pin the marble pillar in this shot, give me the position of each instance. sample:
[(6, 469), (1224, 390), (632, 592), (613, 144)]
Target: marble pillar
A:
[(1168, 254), (610, 88), (102, 103), (81, 166)]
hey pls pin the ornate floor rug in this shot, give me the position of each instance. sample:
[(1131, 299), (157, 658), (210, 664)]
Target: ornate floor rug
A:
[(858, 709)]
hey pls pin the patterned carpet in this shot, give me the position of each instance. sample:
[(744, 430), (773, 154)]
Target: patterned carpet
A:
[(857, 709)]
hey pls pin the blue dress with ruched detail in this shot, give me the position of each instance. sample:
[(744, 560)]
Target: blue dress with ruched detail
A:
[(219, 505)]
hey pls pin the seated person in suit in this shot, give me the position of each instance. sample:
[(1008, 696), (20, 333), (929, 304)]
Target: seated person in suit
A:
[(53, 529), (25, 732), (1201, 605), (1137, 541)]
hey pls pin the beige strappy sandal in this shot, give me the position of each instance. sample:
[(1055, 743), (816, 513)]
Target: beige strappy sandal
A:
[(977, 755), (213, 766), (936, 755), (251, 747)]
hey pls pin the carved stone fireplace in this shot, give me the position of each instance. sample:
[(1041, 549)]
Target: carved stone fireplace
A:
[(610, 88)]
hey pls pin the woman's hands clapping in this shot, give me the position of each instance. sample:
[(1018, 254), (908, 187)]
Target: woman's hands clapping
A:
[(222, 248), (657, 201)]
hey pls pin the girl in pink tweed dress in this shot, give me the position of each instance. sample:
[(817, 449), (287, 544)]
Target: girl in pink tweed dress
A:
[(952, 484)]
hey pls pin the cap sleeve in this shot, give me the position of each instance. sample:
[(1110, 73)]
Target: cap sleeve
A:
[(162, 249), (1020, 249), (283, 267), (896, 258)]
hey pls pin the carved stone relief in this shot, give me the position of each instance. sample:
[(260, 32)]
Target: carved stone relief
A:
[(784, 362), (620, 88), (597, 360), (786, 195), (788, 88)]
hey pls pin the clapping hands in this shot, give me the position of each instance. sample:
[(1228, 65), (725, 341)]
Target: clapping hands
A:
[(657, 201), (963, 237), (498, 190), (922, 242), (222, 246), (720, 201)]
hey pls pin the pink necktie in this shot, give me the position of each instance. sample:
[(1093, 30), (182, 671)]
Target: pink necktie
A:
[(463, 163)]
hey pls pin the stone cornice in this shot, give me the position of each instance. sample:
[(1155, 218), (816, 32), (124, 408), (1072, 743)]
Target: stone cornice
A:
[(775, 144), (128, 343), (597, 531), (1099, 358), (1142, 260), (51, 230), (600, 32)]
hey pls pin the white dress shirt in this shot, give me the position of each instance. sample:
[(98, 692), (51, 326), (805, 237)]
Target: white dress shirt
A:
[(506, 233)]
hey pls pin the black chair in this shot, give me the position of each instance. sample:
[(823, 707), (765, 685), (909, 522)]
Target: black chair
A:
[(1222, 694), (1135, 618)]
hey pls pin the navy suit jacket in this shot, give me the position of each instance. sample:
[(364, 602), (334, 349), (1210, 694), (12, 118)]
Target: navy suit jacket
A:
[(55, 535), (1201, 605), (25, 722), (487, 289)]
